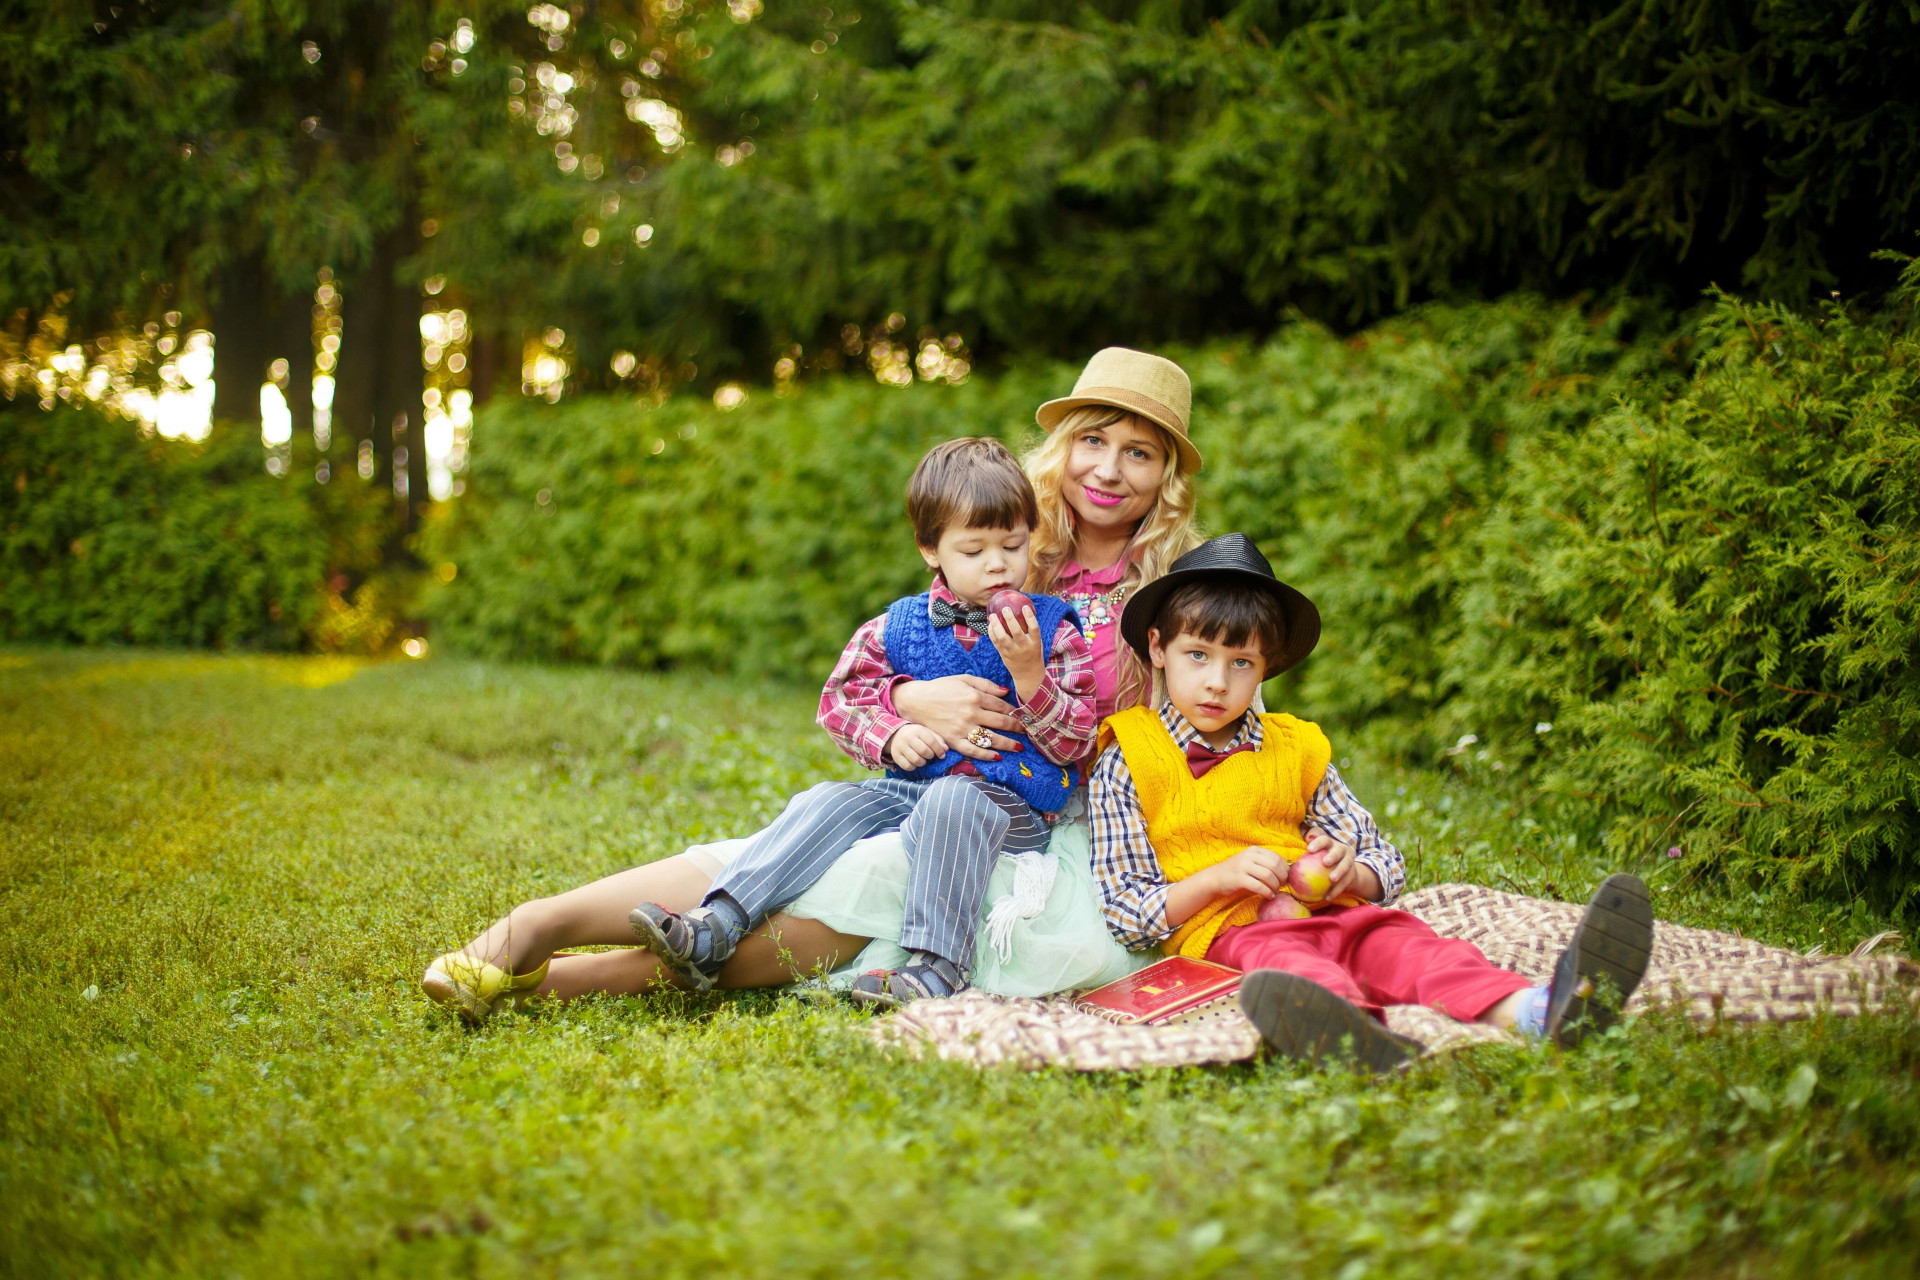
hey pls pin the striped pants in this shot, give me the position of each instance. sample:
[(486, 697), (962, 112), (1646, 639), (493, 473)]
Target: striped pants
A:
[(955, 829)]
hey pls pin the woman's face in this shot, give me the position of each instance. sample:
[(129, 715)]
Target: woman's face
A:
[(1113, 473)]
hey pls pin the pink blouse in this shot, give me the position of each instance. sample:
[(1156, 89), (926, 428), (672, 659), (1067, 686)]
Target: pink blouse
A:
[(1092, 595)]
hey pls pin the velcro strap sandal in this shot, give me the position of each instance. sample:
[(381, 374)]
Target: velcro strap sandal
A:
[(693, 944), (928, 977)]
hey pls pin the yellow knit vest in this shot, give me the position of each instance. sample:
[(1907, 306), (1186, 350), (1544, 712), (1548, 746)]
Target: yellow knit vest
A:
[(1253, 798)]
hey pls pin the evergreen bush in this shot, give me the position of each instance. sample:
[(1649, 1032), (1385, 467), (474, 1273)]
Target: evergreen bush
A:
[(755, 540), (1365, 464), (110, 538), (1712, 600)]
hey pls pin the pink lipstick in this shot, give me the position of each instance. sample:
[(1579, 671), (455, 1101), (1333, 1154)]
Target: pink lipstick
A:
[(1099, 499)]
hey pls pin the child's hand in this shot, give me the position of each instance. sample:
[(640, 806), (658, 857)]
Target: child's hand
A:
[(1019, 646), (1252, 870), (1349, 877), (913, 745)]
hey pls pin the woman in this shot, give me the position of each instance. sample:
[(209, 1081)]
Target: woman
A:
[(1114, 483)]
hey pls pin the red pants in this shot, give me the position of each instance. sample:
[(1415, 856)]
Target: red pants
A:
[(1374, 957)]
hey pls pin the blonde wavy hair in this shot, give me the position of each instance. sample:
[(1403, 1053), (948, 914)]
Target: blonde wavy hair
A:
[(1163, 535)]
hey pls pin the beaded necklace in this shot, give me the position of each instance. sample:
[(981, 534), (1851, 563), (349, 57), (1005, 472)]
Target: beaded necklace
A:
[(1097, 611)]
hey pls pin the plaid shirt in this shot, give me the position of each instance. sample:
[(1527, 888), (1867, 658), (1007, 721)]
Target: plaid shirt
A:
[(856, 707), (1133, 888)]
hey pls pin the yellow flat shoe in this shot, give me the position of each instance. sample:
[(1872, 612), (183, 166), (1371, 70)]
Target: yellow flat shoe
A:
[(477, 990)]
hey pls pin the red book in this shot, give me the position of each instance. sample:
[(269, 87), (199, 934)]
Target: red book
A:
[(1162, 991)]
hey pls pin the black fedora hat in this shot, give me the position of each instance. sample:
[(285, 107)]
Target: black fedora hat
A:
[(1230, 559)]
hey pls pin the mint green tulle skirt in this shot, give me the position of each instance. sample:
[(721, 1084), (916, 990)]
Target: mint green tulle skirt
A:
[(1064, 945)]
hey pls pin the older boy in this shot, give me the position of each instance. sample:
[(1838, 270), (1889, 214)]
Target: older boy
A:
[(1200, 807), (972, 508)]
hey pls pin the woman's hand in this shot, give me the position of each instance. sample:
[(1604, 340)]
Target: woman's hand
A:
[(954, 706)]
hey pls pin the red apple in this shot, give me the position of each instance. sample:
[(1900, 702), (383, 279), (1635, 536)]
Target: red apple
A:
[(1283, 906), (1308, 877), (1007, 600)]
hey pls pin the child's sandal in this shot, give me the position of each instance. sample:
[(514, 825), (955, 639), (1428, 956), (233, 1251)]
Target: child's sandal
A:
[(930, 978), (477, 990), (1299, 1018), (692, 944)]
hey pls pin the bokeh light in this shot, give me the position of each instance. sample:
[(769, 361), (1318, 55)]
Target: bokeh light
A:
[(276, 419)]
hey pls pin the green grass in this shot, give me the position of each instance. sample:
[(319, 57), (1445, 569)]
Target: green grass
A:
[(220, 878)]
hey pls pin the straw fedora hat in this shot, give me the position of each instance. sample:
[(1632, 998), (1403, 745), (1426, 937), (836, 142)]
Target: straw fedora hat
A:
[(1151, 386)]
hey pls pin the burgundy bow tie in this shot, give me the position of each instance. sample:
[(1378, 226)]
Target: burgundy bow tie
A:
[(1201, 757)]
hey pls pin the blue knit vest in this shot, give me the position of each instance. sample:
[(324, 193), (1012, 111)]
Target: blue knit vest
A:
[(917, 648)]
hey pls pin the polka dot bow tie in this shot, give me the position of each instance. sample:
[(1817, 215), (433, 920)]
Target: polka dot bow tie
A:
[(946, 613)]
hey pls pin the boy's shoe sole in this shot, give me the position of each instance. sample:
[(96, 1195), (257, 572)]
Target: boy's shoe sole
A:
[(1611, 944), (1299, 1018), (650, 926)]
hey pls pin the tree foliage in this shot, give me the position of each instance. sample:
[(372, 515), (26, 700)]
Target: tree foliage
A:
[(1040, 180), (1029, 177)]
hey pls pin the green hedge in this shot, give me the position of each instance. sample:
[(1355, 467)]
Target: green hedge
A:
[(754, 541), (109, 537), (1712, 598), (1688, 548), (1366, 465)]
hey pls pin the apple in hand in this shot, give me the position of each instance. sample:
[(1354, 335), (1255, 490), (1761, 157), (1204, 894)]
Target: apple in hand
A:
[(1309, 878), (1006, 600), (1283, 906)]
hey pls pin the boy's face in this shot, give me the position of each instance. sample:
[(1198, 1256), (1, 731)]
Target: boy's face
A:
[(1210, 682), (976, 562)]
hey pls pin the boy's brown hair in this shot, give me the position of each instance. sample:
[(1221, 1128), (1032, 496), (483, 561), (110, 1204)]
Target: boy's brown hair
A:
[(973, 482), (1226, 614)]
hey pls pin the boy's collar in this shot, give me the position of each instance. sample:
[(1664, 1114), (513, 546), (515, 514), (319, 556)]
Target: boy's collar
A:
[(1182, 731)]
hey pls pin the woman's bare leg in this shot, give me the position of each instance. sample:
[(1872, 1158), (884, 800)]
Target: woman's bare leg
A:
[(786, 949), (778, 952), (596, 915)]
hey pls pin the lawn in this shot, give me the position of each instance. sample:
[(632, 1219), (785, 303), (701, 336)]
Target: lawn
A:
[(220, 878)]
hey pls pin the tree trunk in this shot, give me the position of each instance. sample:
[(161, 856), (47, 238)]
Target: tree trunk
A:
[(293, 342), (397, 408), (488, 353), (365, 300), (240, 338)]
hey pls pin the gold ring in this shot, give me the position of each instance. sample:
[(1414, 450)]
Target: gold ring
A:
[(980, 738)]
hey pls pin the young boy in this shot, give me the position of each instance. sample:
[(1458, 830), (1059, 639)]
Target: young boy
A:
[(972, 508), (1199, 809)]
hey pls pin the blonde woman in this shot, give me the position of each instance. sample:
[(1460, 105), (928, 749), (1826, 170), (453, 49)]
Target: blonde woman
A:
[(1114, 482)]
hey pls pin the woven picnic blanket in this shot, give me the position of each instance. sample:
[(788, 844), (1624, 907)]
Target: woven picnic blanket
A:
[(1715, 976)]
